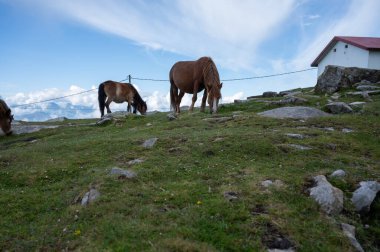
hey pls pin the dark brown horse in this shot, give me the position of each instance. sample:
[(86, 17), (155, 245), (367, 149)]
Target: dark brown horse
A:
[(120, 92), (192, 77), (6, 118)]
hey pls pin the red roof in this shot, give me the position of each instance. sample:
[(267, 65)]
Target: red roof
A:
[(366, 43)]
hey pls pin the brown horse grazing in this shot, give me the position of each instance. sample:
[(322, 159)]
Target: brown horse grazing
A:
[(119, 93), (192, 77), (6, 118)]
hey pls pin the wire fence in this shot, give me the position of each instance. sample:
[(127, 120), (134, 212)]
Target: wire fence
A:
[(130, 78)]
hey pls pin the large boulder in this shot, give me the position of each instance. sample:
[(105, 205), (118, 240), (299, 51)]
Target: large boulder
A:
[(334, 78), (327, 196), (362, 198), (298, 112), (338, 108)]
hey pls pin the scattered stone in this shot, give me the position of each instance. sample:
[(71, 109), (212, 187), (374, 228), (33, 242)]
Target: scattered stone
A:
[(338, 174), (335, 96), (281, 250), (135, 161), (294, 112), (218, 139), (58, 119), (269, 94), (300, 147), (19, 128), (367, 87), (296, 136), (327, 196), (331, 146), (338, 108), (125, 173), (90, 197), (171, 117), (346, 130), (349, 231), (290, 100), (150, 142), (328, 128), (268, 183), (240, 101), (231, 196), (357, 105), (363, 94), (276, 241), (149, 124), (104, 120), (362, 198)]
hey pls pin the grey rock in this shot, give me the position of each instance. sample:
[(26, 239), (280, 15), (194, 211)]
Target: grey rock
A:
[(367, 87), (290, 100), (363, 94), (58, 119), (269, 94), (281, 250), (150, 142), (349, 231), (90, 197), (171, 117), (294, 112), (135, 161), (335, 78), (126, 173), (299, 147), (327, 196), (357, 105), (23, 129), (338, 174), (296, 136), (346, 130), (268, 183), (240, 101), (363, 197), (104, 120), (338, 108), (231, 196)]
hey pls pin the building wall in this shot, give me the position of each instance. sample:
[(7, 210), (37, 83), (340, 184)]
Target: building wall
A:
[(340, 55), (374, 60)]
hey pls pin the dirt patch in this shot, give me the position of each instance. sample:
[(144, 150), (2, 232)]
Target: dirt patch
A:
[(258, 210), (273, 239)]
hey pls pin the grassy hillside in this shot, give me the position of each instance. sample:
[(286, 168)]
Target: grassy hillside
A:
[(177, 201)]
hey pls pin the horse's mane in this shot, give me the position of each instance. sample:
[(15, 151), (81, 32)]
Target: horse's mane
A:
[(211, 75), (3, 107), (136, 98)]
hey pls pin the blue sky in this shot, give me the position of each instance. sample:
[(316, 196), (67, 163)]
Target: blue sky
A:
[(55, 48)]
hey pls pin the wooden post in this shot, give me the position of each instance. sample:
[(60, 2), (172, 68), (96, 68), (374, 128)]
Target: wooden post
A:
[(129, 79)]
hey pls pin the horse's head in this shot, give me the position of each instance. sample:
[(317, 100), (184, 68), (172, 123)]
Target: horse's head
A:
[(214, 96), (6, 121), (142, 108)]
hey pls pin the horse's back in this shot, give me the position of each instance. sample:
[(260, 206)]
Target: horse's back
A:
[(183, 74)]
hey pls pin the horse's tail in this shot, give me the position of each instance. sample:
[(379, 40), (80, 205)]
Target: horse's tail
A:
[(101, 98), (172, 97)]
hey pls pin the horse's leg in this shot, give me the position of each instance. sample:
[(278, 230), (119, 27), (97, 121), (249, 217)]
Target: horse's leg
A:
[(195, 93), (129, 107), (108, 105), (179, 99), (203, 105), (174, 98)]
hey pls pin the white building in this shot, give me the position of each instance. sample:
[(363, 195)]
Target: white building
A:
[(361, 52)]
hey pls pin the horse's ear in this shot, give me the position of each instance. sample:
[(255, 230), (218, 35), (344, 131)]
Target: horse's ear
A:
[(8, 112), (221, 85)]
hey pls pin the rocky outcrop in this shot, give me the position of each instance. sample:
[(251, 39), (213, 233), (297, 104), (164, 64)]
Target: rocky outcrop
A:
[(335, 78)]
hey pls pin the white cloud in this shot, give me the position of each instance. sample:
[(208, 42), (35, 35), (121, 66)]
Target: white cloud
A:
[(227, 30)]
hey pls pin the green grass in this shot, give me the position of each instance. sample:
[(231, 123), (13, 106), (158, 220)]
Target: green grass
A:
[(176, 202)]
